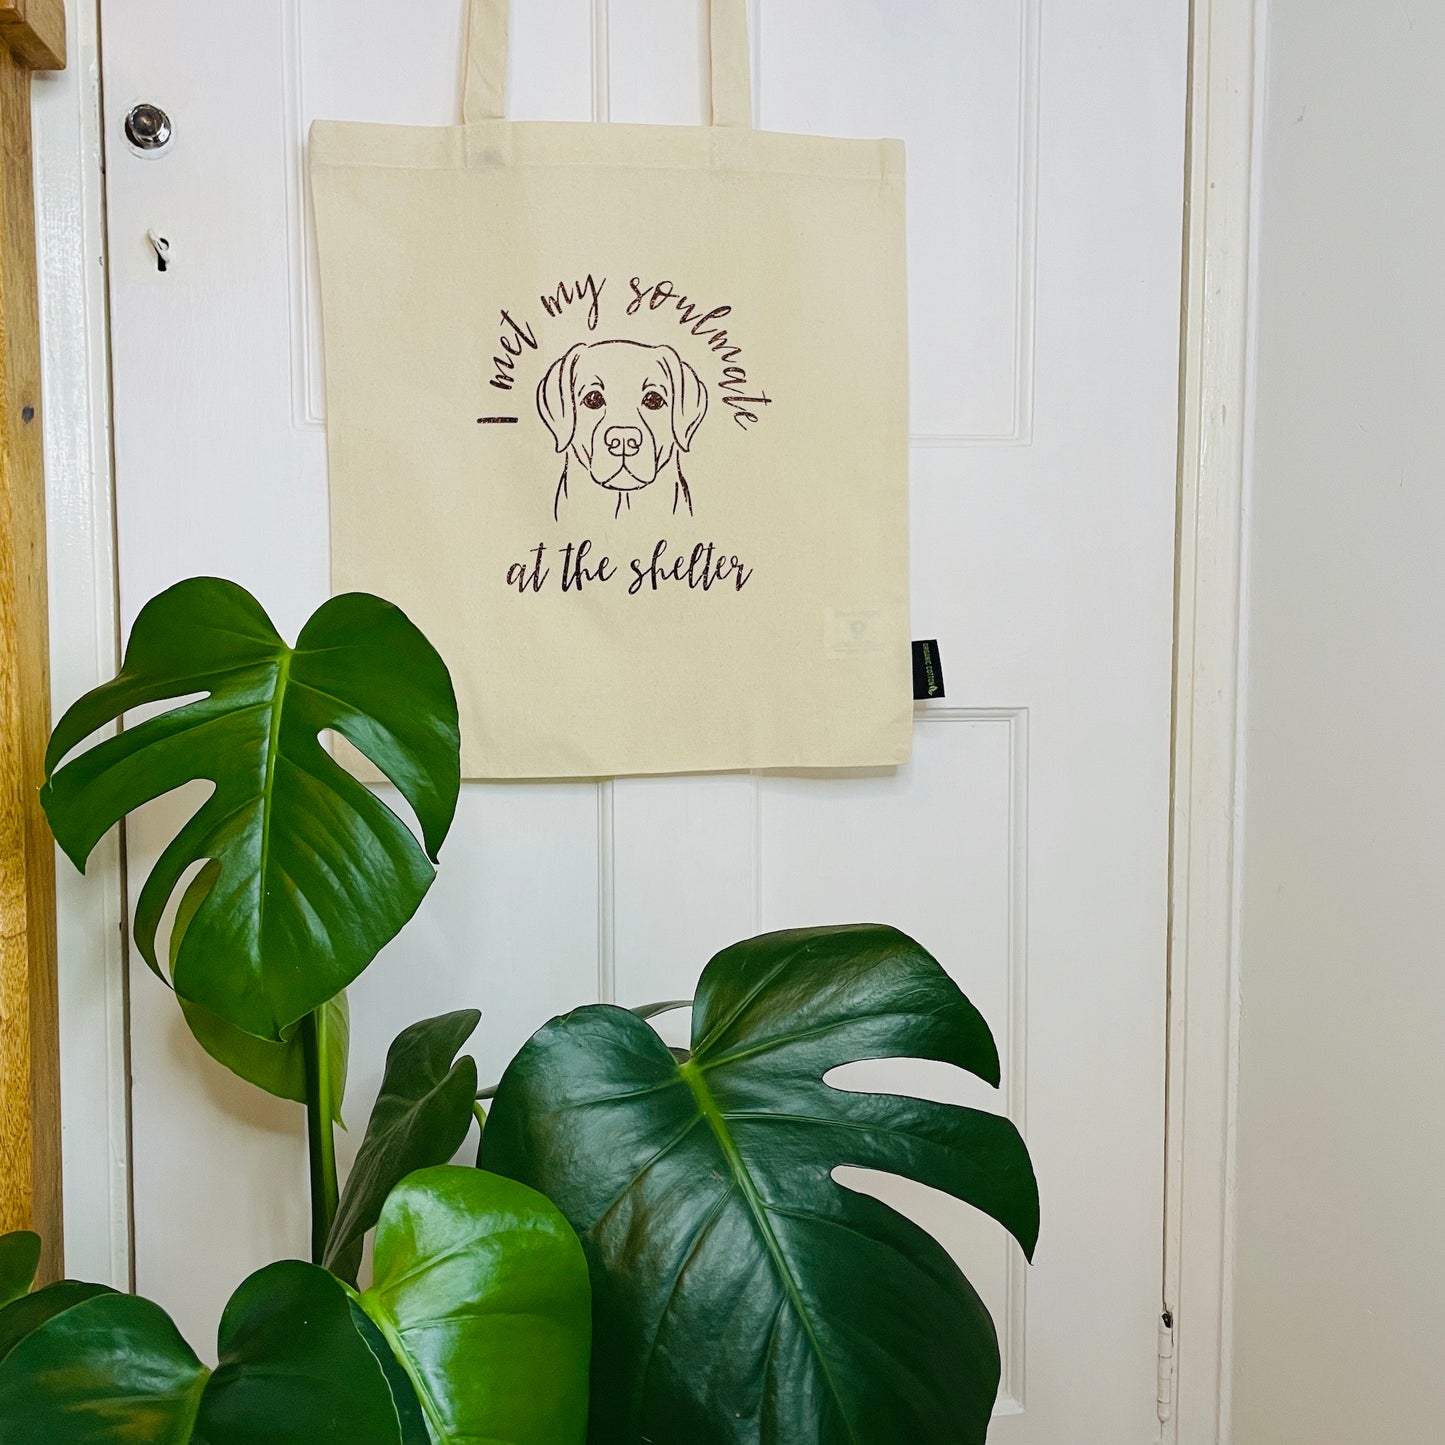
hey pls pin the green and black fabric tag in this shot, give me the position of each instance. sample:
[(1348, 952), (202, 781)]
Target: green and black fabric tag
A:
[(927, 671)]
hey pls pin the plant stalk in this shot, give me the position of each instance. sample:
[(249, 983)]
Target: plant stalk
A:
[(320, 1131)]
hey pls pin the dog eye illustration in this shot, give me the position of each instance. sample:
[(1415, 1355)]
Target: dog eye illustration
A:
[(594, 399), (653, 400)]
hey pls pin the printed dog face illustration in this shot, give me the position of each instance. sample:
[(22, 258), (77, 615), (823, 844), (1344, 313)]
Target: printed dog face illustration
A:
[(622, 411)]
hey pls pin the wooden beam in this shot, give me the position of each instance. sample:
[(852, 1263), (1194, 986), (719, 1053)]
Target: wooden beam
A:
[(32, 32)]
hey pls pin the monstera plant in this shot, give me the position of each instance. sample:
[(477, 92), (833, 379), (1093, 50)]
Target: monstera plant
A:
[(727, 1263), (652, 1246)]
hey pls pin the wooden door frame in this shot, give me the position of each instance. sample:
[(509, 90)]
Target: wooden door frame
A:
[(32, 37)]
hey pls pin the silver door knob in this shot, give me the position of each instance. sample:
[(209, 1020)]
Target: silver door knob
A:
[(147, 127)]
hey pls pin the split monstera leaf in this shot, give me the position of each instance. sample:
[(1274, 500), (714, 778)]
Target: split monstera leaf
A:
[(740, 1293), (308, 874)]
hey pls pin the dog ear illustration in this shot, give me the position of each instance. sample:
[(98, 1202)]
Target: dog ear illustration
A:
[(556, 403), (689, 397)]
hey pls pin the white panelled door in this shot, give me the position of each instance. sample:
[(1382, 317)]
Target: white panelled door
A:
[(1025, 844)]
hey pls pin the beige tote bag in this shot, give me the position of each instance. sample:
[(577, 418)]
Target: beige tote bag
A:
[(618, 416)]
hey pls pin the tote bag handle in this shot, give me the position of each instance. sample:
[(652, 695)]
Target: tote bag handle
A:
[(486, 84)]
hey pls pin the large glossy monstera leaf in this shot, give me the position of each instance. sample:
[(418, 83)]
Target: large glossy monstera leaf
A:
[(741, 1295), (314, 874)]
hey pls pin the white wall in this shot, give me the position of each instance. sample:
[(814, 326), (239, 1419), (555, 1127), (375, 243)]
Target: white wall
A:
[(1340, 1290)]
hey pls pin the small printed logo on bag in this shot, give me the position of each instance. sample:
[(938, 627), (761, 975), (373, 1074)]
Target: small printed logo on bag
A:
[(849, 633)]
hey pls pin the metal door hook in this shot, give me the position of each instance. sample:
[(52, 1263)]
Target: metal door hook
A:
[(162, 247)]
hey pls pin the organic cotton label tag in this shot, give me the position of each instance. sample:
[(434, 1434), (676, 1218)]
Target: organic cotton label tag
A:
[(927, 671)]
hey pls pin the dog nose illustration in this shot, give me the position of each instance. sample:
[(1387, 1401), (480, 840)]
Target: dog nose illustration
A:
[(623, 441)]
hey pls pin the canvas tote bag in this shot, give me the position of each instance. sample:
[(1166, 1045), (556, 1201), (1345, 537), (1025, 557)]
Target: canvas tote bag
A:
[(617, 414)]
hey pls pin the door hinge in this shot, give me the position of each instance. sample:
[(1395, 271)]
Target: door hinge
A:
[(1166, 1366)]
